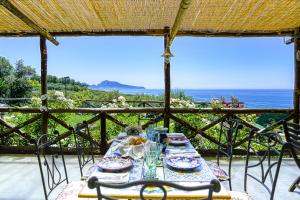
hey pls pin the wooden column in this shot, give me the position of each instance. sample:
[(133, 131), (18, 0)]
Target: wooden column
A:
[(103, 141), (297, 77), (44, 96), (167, 83)]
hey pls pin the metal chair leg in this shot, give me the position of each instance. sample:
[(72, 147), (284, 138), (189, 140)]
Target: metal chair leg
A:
[(247, 162), (277, 173), (230, 163), (294, 185)]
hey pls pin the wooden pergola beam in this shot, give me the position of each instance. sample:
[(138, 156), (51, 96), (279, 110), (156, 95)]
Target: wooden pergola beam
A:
[(184, 4), (155, 32), (16, 12)]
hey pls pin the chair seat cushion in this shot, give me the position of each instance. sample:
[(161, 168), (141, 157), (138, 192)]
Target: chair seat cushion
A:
[(239, 196), (218, 171), (71, 190)]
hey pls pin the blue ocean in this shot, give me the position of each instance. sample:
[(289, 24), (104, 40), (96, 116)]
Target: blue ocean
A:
[(253, 98)]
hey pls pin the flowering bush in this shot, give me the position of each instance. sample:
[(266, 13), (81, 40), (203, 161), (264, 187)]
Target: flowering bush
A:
[(215, 103), (181, 103), (56, 100), (120, 102)]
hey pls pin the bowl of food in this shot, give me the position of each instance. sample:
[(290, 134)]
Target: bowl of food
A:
[(136, 140), (132, 146)]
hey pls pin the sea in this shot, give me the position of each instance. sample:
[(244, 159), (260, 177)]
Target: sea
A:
[(253, 98)]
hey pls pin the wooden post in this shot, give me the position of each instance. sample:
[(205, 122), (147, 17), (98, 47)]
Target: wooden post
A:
[(103, 141), (44, 96), (297, 77), (167, 83)]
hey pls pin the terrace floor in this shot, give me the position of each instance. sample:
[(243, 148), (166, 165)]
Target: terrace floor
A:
[(20, 178)]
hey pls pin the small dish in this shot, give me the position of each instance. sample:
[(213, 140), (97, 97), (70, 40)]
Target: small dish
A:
[(183, 163), (177, 140), (114, 164)]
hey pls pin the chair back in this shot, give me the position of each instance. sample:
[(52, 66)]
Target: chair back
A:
[(213, 186), (292, 134), (228, 133), (51, 162), (84, 147)]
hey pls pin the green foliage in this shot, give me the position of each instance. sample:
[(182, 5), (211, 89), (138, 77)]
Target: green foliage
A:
[(64, 84), (15, 81), (6, 68), (23, 81), (269, 118), (24, 72), (6, 77), (58, 101), (21, 88)]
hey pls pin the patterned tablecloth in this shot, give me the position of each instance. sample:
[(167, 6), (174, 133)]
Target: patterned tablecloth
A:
[(201, 175)]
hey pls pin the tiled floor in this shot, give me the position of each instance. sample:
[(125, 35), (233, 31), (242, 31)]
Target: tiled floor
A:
[(20, 178)]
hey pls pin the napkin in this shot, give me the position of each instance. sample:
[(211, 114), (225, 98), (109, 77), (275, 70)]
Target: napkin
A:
[(182, 152), (122, 149), (175, 134), (107, 177)]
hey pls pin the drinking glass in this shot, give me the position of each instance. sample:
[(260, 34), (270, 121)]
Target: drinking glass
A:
[(150, 159), (151, 134), (162, 137), (162, 134)]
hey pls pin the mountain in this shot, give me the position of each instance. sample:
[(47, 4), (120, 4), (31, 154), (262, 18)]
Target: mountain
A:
[(113, 85)]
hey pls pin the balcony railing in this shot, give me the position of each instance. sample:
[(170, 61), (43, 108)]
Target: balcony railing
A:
[(103, 115)]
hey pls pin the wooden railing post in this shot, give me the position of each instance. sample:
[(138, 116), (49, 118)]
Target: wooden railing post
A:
[(167, 82), (103, 141), (44, 95)]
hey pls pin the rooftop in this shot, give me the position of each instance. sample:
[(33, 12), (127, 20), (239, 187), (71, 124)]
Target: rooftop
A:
[(149, 17)]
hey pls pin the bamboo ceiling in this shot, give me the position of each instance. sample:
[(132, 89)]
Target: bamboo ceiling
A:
[(149, 17)]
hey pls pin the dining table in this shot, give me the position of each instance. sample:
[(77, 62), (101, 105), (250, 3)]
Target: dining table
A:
[(202, 175)]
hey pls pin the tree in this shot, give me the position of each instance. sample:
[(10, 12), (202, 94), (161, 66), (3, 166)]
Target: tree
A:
[(6, 69), (6, 77), (21, 88), (52, 79), (24, 72), (4, 88)]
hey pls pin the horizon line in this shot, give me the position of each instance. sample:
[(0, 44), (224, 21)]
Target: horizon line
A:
[(206, 89)]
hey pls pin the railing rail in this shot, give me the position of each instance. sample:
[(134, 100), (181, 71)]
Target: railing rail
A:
[(136, 103), (104, 114), (150, 110)]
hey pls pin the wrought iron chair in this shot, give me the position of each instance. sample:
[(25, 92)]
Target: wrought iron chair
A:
[(84, 147), (50, 158), (230, 128), (213, 186), (49, 152), (292, 134), (273, 146)]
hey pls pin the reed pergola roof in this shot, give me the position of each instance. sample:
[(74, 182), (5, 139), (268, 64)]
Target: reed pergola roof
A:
[(149, 17)]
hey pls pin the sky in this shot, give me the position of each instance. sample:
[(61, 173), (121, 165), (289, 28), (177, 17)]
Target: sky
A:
[(198, 63)]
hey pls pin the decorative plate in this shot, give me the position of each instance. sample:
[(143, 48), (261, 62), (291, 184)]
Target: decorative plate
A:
[(178, 140), (114, 164), (183, 163)]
